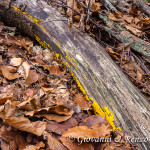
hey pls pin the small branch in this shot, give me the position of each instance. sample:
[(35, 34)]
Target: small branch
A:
[(143, 7), (110, 5), (33, 65)]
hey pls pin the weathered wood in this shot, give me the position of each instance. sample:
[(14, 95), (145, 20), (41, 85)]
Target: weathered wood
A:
[(125, 36), (123, 5), (141, 4), (89, 62)]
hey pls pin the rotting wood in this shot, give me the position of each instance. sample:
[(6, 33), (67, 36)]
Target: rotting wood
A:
[(91, 65), (143, 7), (123, 5), (125, 36)]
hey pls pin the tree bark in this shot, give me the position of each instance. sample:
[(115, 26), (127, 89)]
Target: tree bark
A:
[(99, 76), (125, 36), (124, 6), (143, 7)]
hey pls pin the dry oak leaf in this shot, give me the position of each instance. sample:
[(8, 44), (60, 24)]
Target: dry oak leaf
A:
[(4, 145), (8, 72), (35, 147), (80, 100), (74, 145), (116, 16), (60, 128), (26, 43), (28, 93), (3, 100), (56, 70), (26, 68), (139, 75), (114, 146), (103, 129), (24, 124), (58, 109), (55, 117), (13, 145), (52, 142), (9, 107), (16, 61), (89, 121), (82, 132), (9, 134), (96, 6), (32, 77)]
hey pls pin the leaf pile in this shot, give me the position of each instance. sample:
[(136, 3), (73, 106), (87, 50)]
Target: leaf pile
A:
[(85, 15), (40, 104)]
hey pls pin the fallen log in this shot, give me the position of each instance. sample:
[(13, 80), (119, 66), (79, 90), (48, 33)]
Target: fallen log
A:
[(97, 75), (123, 5), (143, 6), (125, 36)]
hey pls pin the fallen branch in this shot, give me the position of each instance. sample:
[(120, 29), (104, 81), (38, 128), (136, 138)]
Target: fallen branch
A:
[(93, 69), (125, 36), (143, 6)]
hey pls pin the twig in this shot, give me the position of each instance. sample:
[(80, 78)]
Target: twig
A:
[(32, 64), (110, 5), (88, 11), (142, 64), (137, 80)]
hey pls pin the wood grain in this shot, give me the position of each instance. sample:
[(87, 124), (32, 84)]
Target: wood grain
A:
[(89, 62)]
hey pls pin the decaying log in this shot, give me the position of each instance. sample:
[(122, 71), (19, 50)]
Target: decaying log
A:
[(125, 36), (143, 6), (91, 65), (123, 5)]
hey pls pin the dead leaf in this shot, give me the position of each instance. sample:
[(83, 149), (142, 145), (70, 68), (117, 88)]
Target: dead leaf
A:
[(55, 117), (7, 72), (81, 131), (26, 43), (9, 107), (32, 77), (114, 145), (9, 134), (26, 68), (16, 61), (52, 142), (134, 30), (28, 93), (133, 12), (60, 128), (4, 145), (96, 6), (103, 129), (81, 101), (73, 145), (116, 16), (3, 100), (58, 109), (47, 56), (24, 124), (89, 121), (35, 147), (56, 70), (139, 75), (13, 145)]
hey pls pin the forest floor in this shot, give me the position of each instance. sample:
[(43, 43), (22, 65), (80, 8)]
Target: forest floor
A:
[(41, 106)]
